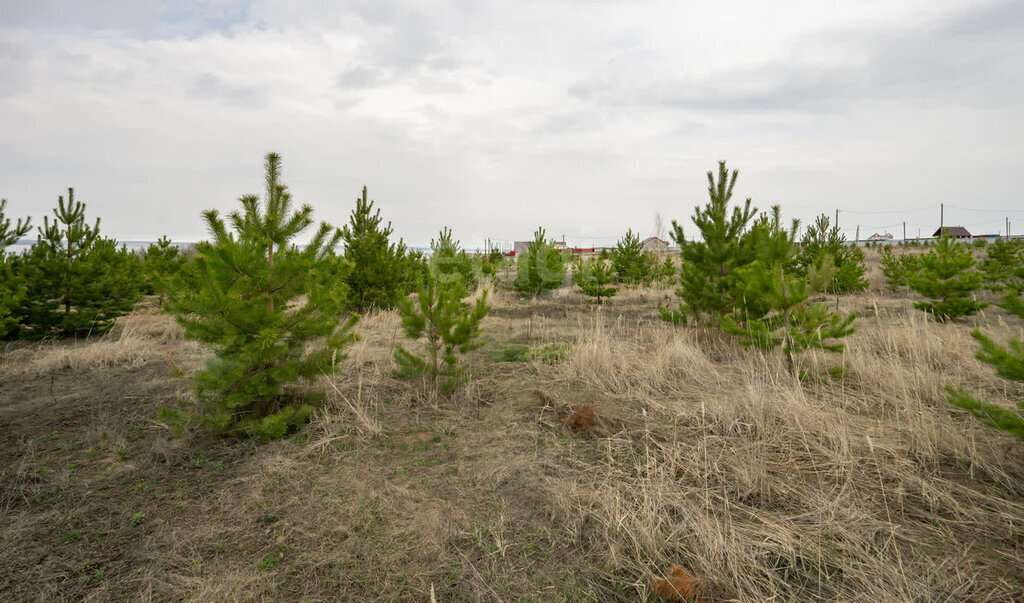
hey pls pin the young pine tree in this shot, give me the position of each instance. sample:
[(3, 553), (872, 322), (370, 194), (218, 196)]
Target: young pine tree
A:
[(540, 268), (162, 260), (667, 271), (1009, 364), (12, 285), (708, 271), (775, 311), (379, 267), (272, 313), (632, 265), (414, 268), (1003, 270), (946, 276), (79, 282), (824, 241), (592, 276), (448, 262), (892, 269), (449, 323), (1012, 299)]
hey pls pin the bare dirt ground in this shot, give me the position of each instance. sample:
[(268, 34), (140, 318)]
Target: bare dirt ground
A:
[(859, 485)]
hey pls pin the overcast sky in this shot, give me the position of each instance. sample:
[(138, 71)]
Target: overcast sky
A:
[(496, 117)]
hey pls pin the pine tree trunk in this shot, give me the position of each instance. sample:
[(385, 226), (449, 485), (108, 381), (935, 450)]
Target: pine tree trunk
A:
[(270, 278), (67, 276)]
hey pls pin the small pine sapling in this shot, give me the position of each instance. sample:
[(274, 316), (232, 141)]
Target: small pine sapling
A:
[(1012, 299), (668, 270), (162, 260), (450, 326), (893, 269), (1009, 364), (12, 285), (946, 276), (450, 263), (775, 311), (540, 267), (9, 234), (823, 240), (378, 271), (78, 282), (708, 267), (1000, 260), (631, 264), (822, 275), (593, 277), (1003, 270), (272, 313)]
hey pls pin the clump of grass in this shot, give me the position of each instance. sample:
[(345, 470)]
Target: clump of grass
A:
[(548, 353)]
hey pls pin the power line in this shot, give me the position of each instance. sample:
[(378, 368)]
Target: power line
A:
[(993, 211), (901, 211)]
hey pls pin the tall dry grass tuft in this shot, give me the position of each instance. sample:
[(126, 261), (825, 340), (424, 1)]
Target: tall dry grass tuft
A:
[(127, 349), (138, 338), (865, 487)]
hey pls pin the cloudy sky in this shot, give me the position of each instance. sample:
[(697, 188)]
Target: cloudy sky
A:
[(496, 117)]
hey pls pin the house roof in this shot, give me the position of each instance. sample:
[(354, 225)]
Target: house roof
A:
[(952, 231)]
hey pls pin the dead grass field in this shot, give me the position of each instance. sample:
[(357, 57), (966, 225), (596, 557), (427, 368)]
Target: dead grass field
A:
[(700, 453)]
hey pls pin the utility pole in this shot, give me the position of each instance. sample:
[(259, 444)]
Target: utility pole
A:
[(904, 231), (858, 234), (942, 218)]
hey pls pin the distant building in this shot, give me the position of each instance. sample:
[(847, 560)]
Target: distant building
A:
[(877, 238), (520, 247), (956, 232), (655, 244)]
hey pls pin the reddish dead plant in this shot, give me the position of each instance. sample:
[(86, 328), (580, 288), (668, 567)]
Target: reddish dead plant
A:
[(681, 586)]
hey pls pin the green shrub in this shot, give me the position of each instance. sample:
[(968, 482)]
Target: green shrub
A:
[(450, 326), (631, 264), (379, 270), (1003, 270), (162, 261), (78, 282), (775, 312), (708, 276), (894, 269), (449, 262), (823, 241), (272, 314), (668, 270), (12, 285), (539, 268), (945, 275), (592, 276)]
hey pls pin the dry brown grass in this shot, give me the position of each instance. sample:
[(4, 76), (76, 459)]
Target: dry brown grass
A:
[(702, 454), (865, 487), (139, 338)]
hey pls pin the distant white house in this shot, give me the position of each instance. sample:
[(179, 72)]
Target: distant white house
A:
[(878, 238), (655, 244)]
